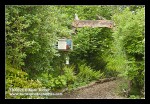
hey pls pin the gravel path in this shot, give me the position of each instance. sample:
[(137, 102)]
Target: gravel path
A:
[(106, 90)]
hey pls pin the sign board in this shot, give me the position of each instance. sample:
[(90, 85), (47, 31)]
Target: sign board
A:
[(65, 44), (93, 23), (62, 44)]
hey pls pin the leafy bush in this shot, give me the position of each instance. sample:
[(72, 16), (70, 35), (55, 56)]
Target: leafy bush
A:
[(63, 80), (16, 78), (44, 78), (87, 74), (68, 79), (76, 84), (57, 82), (52, 82), (110, 73), (69, 74), (136, 75), (129, 47)]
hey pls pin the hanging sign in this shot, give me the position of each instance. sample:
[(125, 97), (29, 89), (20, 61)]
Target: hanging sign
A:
[(62, 44), (65, 44)]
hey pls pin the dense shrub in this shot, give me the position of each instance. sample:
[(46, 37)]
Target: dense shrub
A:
[(44, 78), (57, 82), (128, 50), (87, 74), (15, 78), (60, 81), (69, 74)]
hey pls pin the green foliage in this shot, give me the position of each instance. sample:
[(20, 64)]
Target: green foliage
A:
[(32, 32), (15, 78), (58, 82), (87, 74), (69, 74), (136, 75), (134, 97), (90, 45), (76, 84), (44, 78), (68, 79), (128, 49)]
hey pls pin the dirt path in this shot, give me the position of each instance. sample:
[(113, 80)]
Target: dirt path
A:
[(106, 90)]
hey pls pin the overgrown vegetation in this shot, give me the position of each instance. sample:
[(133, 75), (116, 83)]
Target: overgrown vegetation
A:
[(129, 36), (32, 60), (15, 78)]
